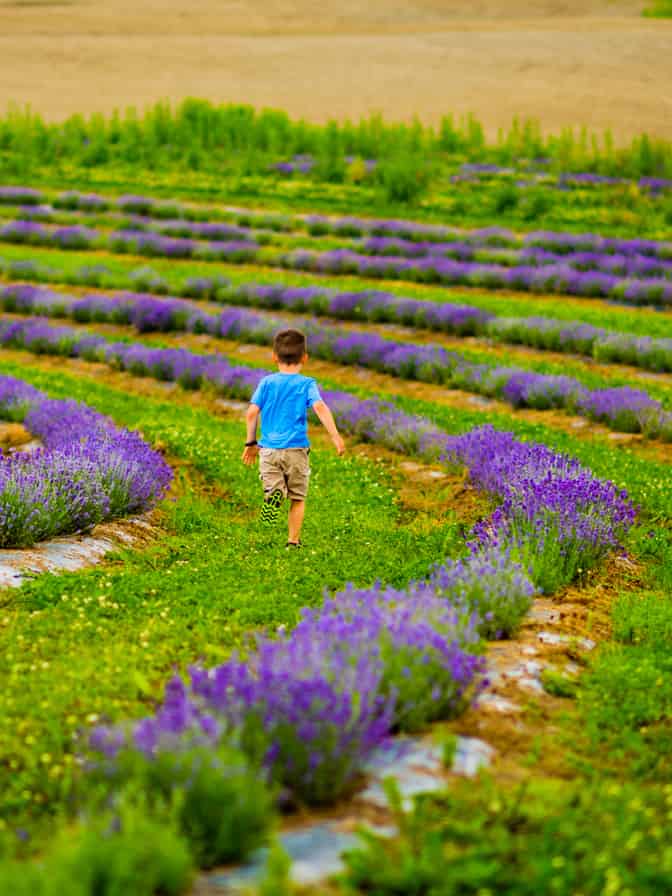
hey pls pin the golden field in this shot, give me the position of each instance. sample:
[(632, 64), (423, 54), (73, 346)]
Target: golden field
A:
[(569, 63)]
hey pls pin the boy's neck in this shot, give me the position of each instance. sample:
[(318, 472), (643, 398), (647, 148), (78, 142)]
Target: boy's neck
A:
[(290, 368)]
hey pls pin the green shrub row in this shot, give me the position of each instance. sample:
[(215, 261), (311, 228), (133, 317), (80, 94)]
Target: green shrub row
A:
[(199, 134)]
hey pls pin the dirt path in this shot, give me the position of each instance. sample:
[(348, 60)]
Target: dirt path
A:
[(562, 61)]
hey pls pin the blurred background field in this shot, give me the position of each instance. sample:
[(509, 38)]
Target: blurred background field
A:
[(575, 62)]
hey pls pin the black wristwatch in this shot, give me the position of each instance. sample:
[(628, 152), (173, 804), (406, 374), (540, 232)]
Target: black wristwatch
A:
[(250, 444)]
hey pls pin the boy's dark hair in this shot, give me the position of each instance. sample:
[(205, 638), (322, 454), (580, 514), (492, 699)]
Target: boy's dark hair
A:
[(289, 346)]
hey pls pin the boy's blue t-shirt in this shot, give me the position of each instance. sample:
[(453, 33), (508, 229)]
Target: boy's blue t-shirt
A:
[(284, 399)]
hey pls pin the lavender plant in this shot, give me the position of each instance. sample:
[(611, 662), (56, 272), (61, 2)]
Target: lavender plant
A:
[(221, 802), (313, 704), (489, 583), (429, 647), (87, 471), (314, 712), (555, 518)]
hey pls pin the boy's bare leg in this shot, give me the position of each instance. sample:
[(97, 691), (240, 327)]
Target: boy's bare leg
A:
[(296, 512)]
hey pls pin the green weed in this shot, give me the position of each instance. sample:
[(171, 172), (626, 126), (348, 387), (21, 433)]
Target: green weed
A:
[(659, 9), (546, 838), (126, 852), (558, 685), (220, 803)]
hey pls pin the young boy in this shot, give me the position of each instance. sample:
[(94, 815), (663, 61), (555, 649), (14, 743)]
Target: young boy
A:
[(283, 400)]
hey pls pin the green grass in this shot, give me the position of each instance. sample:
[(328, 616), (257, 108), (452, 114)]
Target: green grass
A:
[(547, 837), (659, 9), (626, 699)]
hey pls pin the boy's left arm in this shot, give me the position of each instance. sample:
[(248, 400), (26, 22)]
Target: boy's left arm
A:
[(326, 418), (251, 448)]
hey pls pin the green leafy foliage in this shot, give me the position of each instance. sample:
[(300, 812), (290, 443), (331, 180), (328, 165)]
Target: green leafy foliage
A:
[(643, 618), (659, 9), (222, 805), (123, 853), (558, 685), (550, 838), (403, 179)]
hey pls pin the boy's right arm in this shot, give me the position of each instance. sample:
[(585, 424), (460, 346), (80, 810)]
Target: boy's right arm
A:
[(326, 418), (251, 419)]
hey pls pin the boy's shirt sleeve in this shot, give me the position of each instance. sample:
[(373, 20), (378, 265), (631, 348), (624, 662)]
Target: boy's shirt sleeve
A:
[(313, 393), (258, 395)]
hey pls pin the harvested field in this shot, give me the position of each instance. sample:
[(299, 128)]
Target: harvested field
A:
[(597, 64)]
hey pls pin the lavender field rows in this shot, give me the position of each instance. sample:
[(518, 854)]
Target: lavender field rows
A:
[(505, 492)]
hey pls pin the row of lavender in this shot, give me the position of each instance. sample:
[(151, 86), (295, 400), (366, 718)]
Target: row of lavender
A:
[(560, 278), (179, 227), (381, 307), (530, 174), (149, 206), (316, 701), (87, 470), (631, 257), (459, 319), (622, 408), (632, 265), (484, 247), (137, 242)]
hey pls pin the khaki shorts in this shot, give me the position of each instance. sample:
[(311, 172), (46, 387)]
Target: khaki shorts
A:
[(286, 470)]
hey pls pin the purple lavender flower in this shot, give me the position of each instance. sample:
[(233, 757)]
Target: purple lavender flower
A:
[(20, 196), (88, 470)]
